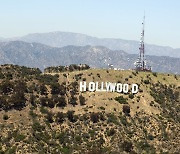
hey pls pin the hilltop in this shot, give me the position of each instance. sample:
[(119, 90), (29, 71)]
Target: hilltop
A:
[(46, 112)]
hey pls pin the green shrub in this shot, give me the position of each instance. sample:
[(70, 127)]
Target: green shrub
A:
[(11, 150), (32, 114), (146, 81), (131, 96), (43, 89), (94, 117), (19, 137), (121, 100), (5, 117), (112, 119), (49, 117), (37, 127), (150, 137), (126, 79), (47, 79), (66, 150), (60, 101), (47, 102), (102, 108), (155, 74), (73, 100), (55, 88), (43, 110), (134, 73), (130, 76), (71, 117), (151, 103), (126, 109), (60, 117), (144, 145), (6, 87), (124, 120), (78, 138), (98, 75), (82, 100), (127, 146), (111, 132), (32, 100), (175, 76), (65, 75)]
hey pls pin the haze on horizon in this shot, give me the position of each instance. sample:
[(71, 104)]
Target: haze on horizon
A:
[(103, 19)]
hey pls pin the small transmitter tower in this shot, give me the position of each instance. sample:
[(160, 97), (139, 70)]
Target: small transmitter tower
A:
[(140, 64)]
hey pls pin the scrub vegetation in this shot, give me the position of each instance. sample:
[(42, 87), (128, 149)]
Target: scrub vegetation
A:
[(46, 112)]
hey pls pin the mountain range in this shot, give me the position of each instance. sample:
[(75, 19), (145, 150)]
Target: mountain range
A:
[(42, 56), (61, 39)]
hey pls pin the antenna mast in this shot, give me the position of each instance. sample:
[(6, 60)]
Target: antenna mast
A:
[(140, 64), (141, 48)]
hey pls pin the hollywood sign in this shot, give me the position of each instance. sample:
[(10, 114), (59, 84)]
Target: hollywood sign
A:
[(108, 87)]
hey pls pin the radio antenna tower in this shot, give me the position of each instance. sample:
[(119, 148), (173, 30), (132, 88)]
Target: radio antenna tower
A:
[(140, 64)]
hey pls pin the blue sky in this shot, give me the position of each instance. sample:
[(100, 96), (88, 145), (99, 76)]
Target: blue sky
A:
[(100, 18)]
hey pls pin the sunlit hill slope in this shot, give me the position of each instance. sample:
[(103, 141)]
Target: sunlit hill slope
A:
[(46, 112)]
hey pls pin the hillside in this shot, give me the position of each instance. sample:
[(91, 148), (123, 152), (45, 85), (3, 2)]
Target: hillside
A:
[(42, 56), (61, 39), (46, 112)]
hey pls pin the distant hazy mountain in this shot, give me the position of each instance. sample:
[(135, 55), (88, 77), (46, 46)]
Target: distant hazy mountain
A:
[(61, 39), (2, 39), (41, 56)]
